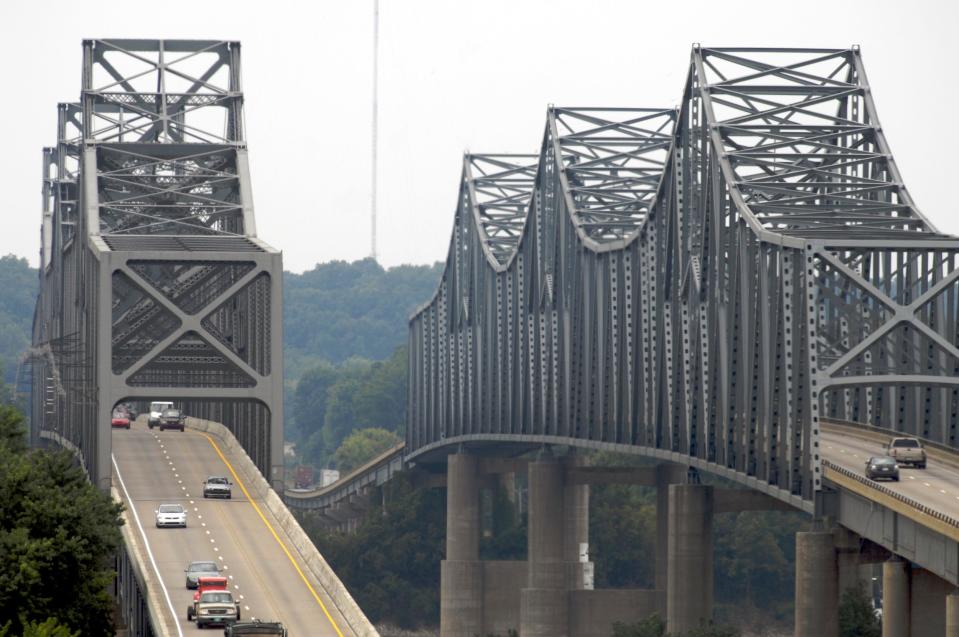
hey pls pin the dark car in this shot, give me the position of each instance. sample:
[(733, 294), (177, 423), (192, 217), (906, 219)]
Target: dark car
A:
[(196, 570), (255, 628), (217, 487), (172, 419), (882, 467)]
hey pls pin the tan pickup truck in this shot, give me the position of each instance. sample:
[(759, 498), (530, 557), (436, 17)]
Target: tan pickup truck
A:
[(907, 451), (216, 608)]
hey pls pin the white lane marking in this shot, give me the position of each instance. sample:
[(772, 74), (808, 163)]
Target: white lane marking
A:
[(146, 542), (221, 557), (942, 490), (927, 484), (202, 523), (912, 477), (246, 608), (241, 597), (188, 495)]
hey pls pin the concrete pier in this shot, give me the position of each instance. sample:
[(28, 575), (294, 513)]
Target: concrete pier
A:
[(952, 614), (927, 607), (817, 579), (544, 603), (461, 573), (689, 585), (666, 474), (895, 598), (576, 532)]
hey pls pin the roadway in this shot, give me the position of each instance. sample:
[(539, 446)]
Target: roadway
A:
[(169, 467), (936, 486)]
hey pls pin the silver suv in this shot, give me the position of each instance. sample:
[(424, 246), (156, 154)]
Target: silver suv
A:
[(907, 451), (217, 487)]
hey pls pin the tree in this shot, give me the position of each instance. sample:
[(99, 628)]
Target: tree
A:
[(49, 628), (391, 564), (856, 616), (58, 534), (362, 446), (309, 402), (652, 626)]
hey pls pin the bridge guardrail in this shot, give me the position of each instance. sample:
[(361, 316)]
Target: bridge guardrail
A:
[(904, 499), (375, 471)]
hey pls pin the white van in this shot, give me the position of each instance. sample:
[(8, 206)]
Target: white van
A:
[(156, 409)]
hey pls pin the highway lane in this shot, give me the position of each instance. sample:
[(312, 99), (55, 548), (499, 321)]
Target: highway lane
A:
[(166, 467), (936, 486)]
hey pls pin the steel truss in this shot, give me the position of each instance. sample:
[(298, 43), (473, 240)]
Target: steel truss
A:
[(709, 282), (153, 283)]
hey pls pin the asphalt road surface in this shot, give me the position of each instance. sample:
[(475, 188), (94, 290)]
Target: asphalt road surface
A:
[(936, 486), (170, 467)]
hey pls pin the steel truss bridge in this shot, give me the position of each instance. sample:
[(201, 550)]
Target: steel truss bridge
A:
[(153, 283), (707, 284)]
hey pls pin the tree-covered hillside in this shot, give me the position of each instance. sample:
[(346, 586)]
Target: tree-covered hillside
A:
[(19, 284), (341, 310)]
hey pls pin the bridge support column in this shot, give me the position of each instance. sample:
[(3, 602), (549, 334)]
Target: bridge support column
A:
[(544, 604), (952, 614), (817, 583), (929, 594), (666, 474), (461, 573), (576, 535), (895, 598), (689, 579)]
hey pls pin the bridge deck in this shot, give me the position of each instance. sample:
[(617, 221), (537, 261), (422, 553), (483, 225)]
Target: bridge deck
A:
[(170, 467)]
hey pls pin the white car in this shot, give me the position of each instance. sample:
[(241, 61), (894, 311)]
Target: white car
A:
[(157, 408), (171, 515)]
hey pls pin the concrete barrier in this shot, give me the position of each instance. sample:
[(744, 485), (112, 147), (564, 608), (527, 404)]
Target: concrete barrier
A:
[(309, 556), (147, 580)]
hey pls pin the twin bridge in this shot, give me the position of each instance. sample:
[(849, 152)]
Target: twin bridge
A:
[(742, 286)]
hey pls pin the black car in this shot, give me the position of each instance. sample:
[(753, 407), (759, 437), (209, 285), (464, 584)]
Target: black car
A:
[(882, 467), (217, 487), (255, 627), (172, 419)]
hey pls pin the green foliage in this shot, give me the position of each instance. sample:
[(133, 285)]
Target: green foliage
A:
[(309, 401), (622, 529), (49, 628), (331, 402), (652, 626), (710, 630), (391, 563), (755, 564), (362, 446), (338, 310), (19, 283), (856, 617), (57, 536)]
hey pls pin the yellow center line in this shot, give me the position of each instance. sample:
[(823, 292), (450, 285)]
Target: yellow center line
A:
[(273, 532)]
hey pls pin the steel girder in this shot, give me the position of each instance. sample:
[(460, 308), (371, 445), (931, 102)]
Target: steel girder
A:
[(154, 284), (710, 282)]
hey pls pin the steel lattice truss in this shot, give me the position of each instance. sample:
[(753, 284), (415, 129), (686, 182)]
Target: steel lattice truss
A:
[(152, 272), (704, 284)]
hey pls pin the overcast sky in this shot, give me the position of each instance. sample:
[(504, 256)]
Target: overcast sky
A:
[(454, 75)]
